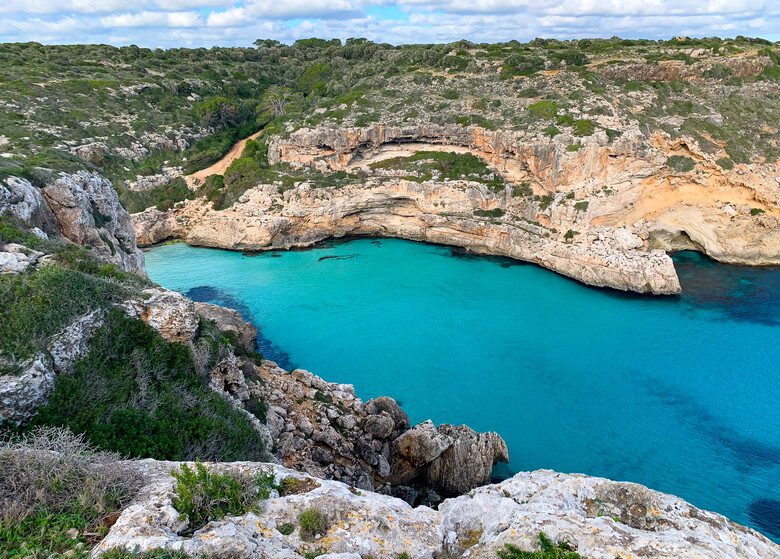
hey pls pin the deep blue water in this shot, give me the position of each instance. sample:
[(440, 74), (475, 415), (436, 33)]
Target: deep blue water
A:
[(677, 393)]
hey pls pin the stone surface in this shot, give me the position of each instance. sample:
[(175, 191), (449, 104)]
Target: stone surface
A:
[(28, 385), (172, 314), (16, 258), (468, 462), (228, 320), (574, 508), (87, 210), (603, 214)]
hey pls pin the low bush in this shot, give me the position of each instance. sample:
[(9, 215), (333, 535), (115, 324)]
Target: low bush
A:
[(581, 206), (680, 163), (202, 495), (37, 304), (543, 109), (55, 489), (495, 212), (312, 523), (725, 163), (548, 550)]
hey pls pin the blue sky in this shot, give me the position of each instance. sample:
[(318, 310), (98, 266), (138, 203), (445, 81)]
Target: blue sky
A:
[(169, 23)]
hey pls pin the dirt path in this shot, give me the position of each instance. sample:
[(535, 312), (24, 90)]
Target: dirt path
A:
[(389, 151), (196, 179)]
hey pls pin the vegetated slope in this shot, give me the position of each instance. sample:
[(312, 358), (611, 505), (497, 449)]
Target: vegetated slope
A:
[(141, 115), (600, 151)]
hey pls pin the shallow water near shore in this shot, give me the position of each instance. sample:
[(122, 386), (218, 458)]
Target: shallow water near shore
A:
[(677, 393)]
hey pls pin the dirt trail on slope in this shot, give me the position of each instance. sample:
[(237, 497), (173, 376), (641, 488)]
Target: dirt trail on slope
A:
[(196, 179), (390, 151)]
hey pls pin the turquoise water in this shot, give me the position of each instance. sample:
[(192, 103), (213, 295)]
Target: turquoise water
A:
[(678, 393)]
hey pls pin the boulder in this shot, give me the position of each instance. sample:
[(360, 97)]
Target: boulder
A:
[(229, 320), (389, 406), (172, 314), (469, 462), (379, 426)]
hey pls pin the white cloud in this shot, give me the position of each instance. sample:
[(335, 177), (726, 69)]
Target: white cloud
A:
[(154, 19), (206, 22)]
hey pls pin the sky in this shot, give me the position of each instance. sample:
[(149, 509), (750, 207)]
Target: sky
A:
[(206, 23)]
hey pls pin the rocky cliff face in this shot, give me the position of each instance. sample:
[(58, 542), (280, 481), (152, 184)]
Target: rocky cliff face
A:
[(83, 208), (603, 214), (600, 519)]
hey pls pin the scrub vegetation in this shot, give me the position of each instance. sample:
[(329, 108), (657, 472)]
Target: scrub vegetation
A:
[(133, 113), (58, 493)]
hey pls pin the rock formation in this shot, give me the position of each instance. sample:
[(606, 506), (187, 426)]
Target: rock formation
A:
[(81, 207), (603, 214), (600, 519)]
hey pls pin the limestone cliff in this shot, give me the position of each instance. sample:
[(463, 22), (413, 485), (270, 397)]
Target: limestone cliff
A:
[(83, 208), (600, 519), (603, 214)]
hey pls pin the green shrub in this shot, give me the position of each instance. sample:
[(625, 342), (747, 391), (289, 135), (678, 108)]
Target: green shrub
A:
[(725, 163), (544, 109), (163, 197), (495, 212), (286, 529), (548, 550), (756, 211), (446, 165), (581, 206), (584, 127), (552, 131), (122, 553), (202, 495), (39, 303), (570, 234), (680, 163), (312, 523)]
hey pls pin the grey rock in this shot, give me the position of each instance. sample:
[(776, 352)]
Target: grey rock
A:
[(228, 320), (388, 405), (380, 426), (468, 462)]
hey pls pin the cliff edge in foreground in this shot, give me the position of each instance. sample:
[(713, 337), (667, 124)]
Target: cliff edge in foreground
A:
[(598, 518)]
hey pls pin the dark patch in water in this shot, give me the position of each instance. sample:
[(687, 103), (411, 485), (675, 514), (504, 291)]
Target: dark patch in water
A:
[(337, 257), (750, 452), (765, 513), (215, 296), (500, 472), (464, 254), (377, 243), (742, 293), (268, 254)]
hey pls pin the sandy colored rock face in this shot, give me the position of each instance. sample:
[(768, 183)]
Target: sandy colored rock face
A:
[(603, 214), (577, 509)]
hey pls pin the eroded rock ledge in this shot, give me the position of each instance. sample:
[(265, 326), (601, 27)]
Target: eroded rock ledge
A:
[(599, 518), (603, 213)]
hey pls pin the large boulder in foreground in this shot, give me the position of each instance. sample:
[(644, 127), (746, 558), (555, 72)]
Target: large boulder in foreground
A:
[(599, 518), (468, 462)]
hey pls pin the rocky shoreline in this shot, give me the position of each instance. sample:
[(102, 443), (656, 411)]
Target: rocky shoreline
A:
[(600, 519), (604, 215)]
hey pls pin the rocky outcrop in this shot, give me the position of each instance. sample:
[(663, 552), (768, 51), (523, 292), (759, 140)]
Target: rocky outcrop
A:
[(600, 519), (88, 213), (16, 258), (24, 387), (324, 429), (170, 313), (602, 214), (228, 320), (83, 208)]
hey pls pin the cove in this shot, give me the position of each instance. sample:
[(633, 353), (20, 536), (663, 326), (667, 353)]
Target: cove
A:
[(676, 393)]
